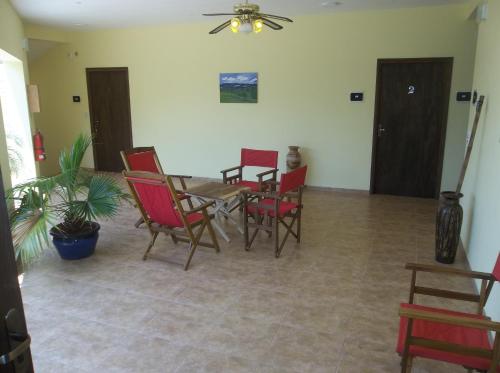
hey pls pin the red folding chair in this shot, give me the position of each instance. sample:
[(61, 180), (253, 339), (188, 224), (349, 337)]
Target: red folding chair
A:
[(257, 158), (162, 211), (453, 337), (146, 159), (269, 210)]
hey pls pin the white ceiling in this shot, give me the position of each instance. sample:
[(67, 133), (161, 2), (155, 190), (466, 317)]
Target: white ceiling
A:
[(92, 14)]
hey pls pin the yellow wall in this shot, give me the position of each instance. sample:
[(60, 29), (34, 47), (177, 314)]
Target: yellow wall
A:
[(11, 41), (481, 202), (306, 73)]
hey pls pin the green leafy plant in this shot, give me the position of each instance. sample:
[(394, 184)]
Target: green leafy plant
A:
[(73, 197)]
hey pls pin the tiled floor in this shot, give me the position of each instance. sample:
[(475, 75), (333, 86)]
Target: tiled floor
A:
[(327, 305)]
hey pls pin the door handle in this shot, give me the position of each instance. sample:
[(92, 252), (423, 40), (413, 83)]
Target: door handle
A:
[(381, 130), (18, 341)]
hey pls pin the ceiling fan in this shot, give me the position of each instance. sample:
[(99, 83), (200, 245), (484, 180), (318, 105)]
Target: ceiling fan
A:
[(247, 18)]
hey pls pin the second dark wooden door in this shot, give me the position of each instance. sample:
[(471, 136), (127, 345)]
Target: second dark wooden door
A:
[(109, 105), (410, 126)]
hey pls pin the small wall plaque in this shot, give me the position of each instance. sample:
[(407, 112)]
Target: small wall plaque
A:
[(357, 96), (463, 96), (76, 98)]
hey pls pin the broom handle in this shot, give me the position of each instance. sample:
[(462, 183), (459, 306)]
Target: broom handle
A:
[(471, 143)]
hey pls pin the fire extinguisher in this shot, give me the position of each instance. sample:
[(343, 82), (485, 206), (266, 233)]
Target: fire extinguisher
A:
[(39, 148)]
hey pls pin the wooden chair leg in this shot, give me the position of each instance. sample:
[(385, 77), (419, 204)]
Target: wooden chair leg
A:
[(408, 365), (139, 222), (276, 236), (192, 249), (190, 203), (151, 243), (299, 224), (270, 223), (174, 238), (211, 232), (245, 229), (407, 358)]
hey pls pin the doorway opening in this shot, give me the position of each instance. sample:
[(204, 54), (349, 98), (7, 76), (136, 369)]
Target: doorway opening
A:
[(16, 119)]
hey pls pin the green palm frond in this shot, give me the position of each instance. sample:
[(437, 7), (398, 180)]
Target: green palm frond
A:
[(70, 161), (29, 222), (103, 196)]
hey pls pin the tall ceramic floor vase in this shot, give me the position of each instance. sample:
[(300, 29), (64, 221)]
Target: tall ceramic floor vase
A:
[(448, 225), (293, 158)]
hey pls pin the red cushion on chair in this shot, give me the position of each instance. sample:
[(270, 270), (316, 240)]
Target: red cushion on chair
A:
[(259, 158), (464, 336), (284, 207), (143, 161), (194, 218), (253, 185)]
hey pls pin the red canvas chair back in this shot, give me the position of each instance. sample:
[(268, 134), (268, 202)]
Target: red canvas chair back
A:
[(142, 161), (292, 180), (156, 199), (259, 158), (496, 270)]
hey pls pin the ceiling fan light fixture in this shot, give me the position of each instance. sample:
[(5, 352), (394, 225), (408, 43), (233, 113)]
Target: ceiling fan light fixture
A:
[(235, 25), (258, 24), (247, 18), (246, 27)]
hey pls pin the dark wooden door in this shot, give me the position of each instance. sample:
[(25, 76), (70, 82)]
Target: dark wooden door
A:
[(411, 113), (10, 295), (109, 105)]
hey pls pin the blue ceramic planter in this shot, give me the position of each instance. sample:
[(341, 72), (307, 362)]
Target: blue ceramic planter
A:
[(76, 246)]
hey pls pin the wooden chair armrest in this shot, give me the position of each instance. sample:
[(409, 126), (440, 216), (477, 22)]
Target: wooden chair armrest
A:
[(204, 206), (469, 322), (181, 176), (448, 271), (269, 172), (272, 195), (231, 169)]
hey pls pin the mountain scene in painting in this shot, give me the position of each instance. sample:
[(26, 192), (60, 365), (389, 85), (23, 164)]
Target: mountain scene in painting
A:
[(238, 87)]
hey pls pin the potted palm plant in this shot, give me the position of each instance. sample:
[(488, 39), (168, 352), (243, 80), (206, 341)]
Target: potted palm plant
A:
[(68, 203)]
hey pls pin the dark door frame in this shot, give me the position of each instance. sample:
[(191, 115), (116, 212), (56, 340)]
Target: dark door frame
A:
[(444, 123), (88, 71)]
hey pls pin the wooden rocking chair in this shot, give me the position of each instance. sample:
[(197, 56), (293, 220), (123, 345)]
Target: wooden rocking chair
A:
[(162, 211)]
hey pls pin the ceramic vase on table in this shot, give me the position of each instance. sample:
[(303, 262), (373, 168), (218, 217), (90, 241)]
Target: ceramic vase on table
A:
[(293, 158), (448, 226)]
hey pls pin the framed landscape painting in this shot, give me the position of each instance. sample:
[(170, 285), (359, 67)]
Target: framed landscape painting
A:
[(238, 87)]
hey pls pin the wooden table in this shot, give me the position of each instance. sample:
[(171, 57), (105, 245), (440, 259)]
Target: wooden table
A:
[(226, 197)]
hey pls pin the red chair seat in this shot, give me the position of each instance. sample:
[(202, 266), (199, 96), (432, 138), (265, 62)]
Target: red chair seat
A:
[(445, 333), (284, 207)]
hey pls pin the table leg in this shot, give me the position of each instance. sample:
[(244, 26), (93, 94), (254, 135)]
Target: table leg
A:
[(225, 210), (217, 217)]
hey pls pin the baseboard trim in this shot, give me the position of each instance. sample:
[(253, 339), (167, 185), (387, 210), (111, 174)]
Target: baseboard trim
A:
[(339, 190)]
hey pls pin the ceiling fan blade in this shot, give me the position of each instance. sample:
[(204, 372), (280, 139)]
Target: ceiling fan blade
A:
[(271, 24), (221, 27), (276, 17), (220, 14)]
